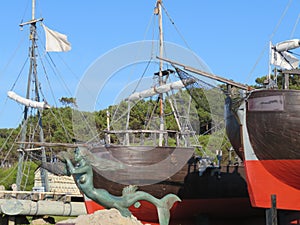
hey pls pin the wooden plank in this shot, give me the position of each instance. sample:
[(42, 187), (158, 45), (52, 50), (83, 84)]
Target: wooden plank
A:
[(209, 75)]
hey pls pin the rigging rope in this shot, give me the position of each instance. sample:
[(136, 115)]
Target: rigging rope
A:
[(12, 146), (213, 104), (294, 28), (56, 72), (25, 10), (54, 99), (177, 30), (9, 174), (152, 113), (19, 75), (24, 173), (143, 74), (268, 44)]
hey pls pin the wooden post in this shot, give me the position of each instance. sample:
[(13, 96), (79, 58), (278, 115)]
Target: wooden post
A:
[(166, 139), (11, 220), (142, 138), (271, 214), (286, 83), (177, 139)]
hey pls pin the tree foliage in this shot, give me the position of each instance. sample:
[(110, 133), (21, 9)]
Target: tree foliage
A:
[(294, 81), (68, 101)]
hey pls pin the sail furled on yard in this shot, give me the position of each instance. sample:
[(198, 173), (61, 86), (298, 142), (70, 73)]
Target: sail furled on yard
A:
[(287, 45), (177, 85), (280, 55), (55, 41), (27, 102)]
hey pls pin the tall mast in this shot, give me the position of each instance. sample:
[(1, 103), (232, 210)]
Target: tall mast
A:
[(33, 10), (160, 74), (32, 76)]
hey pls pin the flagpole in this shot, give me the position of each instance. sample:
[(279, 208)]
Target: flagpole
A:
[(270, 58)]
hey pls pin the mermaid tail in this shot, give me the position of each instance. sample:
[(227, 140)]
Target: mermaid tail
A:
[(163, 205), (163, 209)]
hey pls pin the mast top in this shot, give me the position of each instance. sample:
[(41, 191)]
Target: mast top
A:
[(33, 20)]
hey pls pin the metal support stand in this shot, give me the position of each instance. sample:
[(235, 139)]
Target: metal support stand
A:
[(271, 214)]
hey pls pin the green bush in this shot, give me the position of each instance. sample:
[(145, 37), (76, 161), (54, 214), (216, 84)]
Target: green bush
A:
[(8, 176)]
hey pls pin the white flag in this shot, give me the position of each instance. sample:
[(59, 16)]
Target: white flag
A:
[(284, 59), (55, 41)]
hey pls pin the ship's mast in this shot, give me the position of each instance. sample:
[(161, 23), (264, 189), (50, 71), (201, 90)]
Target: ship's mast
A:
[(32, 77), (160, 74)]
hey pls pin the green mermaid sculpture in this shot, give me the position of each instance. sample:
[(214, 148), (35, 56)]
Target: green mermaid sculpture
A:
[(83, 175)]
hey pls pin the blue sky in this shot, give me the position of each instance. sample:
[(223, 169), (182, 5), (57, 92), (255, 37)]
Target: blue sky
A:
[(231, 37)]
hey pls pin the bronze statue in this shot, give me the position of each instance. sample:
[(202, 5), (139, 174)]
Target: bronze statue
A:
[(83, 175)]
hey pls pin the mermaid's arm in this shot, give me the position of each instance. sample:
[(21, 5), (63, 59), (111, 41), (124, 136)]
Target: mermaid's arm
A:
[(77, 170)]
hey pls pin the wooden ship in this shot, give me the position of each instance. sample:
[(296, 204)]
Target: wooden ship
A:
[(262, 125), (159, 169)]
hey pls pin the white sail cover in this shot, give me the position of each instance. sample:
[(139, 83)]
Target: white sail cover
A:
[(27, 102), (55, 41), (287, 45), (160, 89)]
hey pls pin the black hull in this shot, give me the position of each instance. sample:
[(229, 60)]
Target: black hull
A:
[(215, 186), (233, 128)]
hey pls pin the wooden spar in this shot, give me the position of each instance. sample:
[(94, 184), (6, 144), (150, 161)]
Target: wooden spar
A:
[(41, 207), (68, 145), (209, 75), (291, 72)]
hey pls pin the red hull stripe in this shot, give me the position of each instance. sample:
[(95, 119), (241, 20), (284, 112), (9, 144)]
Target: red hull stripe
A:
[(285, 170), (262, 184), (187, 209)]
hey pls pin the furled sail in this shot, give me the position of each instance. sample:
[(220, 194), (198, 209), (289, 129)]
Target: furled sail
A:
[(287, 45), (160, 89), (27, 102)]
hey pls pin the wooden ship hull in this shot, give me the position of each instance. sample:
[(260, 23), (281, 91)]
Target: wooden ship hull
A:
[(221, 192), (269, 130)]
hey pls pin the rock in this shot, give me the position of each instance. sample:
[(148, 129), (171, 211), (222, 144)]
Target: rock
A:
[(102, 217), (43, 220), (39, 221)]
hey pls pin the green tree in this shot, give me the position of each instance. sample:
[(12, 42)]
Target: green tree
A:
[(294, 81), (68, 101)]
